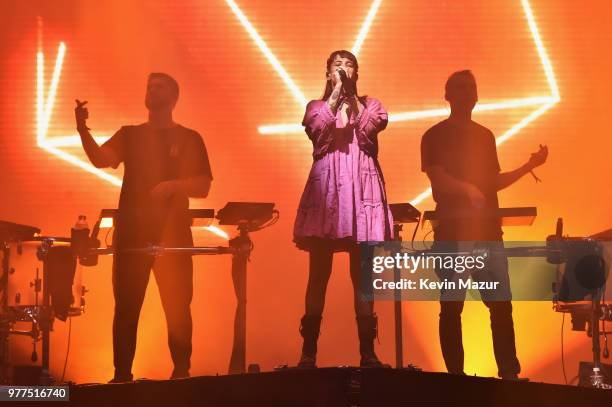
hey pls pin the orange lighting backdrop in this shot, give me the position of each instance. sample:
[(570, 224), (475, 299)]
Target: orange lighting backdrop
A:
[(245, 69)]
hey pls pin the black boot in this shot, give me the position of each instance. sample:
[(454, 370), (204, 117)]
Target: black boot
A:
[(180, 373), (309, 329), (367, 327), (122, 377)]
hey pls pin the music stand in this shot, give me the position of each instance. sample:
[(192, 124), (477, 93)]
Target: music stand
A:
[(402, 213)]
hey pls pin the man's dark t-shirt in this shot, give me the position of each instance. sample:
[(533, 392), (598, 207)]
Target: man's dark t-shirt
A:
[(468, 153), (151, 156)]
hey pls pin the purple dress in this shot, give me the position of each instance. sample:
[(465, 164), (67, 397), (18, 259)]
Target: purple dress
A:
[(344, 201)]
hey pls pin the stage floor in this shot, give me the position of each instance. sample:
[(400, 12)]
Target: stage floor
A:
[(335, 387)]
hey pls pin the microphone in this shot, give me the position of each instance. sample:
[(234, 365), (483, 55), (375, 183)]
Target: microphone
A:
[(347, 83)]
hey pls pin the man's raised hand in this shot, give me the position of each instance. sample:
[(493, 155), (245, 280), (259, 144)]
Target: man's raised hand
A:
[(81, 114), (538, 158)]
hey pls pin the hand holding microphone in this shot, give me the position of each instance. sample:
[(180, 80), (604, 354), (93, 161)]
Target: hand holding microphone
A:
[(344, 88), (347, 83)]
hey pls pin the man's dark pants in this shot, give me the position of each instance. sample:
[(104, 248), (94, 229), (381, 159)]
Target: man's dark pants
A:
[(174, 277), (500, 308)]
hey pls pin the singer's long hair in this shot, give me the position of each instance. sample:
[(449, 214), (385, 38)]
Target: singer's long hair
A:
[(342, 54)]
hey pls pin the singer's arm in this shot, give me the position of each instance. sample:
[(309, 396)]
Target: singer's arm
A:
[(319, 122), (356, 105), (372, 118), (334, 98)]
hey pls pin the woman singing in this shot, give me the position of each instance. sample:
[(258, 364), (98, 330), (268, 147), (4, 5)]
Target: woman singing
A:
[(344, 201)]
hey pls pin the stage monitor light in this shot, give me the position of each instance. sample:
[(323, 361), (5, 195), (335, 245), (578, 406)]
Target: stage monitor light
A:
[(106, 223)]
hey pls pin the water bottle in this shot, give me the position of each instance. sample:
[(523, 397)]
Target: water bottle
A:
[(79, 236), (81, 223)]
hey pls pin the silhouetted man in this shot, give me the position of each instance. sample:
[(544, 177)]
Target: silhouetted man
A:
[(460, 159), (165, 164)]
